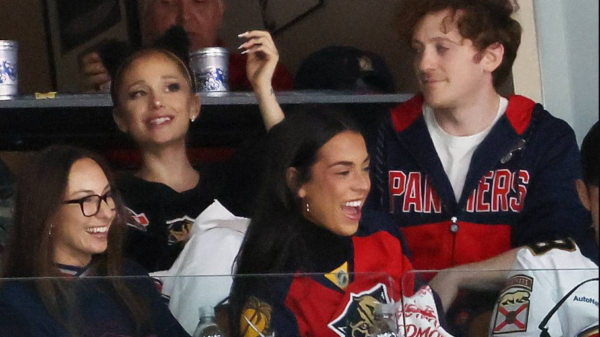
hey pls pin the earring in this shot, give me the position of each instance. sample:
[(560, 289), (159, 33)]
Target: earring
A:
[(193, 119), (307, 208), (50, 230)]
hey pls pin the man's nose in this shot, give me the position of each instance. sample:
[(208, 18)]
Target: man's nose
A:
[(425, 61), (185, 11)]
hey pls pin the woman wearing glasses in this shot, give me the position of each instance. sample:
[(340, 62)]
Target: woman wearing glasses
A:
[(69, 223)]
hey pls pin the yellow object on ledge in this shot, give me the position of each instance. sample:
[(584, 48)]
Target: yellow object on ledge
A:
[(46, 95)]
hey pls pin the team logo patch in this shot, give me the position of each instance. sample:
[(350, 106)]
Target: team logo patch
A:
[(180, 229), (589, 332), (339, 276), (512, 313), (137, 221), (256, 318), (358, 315)]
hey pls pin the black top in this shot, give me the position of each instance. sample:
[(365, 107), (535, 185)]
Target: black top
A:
[(161, 218), (7, 191)]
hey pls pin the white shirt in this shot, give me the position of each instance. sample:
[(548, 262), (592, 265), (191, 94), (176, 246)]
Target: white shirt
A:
[(455, 152), (537, 282), (201, 275)]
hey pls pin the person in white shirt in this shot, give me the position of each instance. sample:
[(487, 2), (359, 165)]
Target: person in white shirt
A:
[(552, 281)]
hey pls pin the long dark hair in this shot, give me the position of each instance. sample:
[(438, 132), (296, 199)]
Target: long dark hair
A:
[(273, 243), (40, 192)]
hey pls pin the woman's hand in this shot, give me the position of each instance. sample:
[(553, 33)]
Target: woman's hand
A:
[(260, 67), (262, 58)]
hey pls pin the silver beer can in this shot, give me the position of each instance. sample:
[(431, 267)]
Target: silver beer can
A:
[(9, 77), (211, 69)]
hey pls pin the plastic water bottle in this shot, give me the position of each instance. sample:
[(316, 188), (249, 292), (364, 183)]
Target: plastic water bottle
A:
[(207, 327), (385, 324)]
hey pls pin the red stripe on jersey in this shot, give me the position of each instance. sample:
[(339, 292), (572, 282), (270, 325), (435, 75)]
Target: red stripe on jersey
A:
[(382, 252), (519, 112), (404, 114), (435, 246)]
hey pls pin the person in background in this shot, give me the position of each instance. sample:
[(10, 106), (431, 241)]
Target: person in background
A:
[(310, 219), (154, 102), (7, 191), (201, 21), (349, 69), (70, 224), (345, 68), (588, 188), (552, 281)]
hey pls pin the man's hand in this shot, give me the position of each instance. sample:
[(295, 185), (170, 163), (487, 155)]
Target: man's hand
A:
[(95, 77)]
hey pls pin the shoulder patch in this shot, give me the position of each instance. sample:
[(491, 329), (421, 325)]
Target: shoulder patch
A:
[(256, 318), (339, 276), (512, 314)]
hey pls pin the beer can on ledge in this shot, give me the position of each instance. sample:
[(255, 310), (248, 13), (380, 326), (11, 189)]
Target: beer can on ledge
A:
[(211, 69), (9, 77)]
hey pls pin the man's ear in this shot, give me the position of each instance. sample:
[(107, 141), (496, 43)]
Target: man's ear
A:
[(119, 120), (492, 57), (582, 191), (292, 177)]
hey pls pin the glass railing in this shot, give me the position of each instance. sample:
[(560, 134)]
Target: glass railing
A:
[(502, 303), (561, 302), (338, 303)]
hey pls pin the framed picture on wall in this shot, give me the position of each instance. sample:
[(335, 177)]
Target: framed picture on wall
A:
[(75, 27), (278, 15)]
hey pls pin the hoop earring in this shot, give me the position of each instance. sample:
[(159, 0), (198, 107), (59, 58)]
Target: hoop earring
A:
[(307, 208)]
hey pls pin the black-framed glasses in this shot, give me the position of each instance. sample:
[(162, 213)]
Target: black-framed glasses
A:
[(90, 205)]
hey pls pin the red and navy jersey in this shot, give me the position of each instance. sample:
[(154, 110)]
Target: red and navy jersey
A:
[(362, 270), (520, 186)]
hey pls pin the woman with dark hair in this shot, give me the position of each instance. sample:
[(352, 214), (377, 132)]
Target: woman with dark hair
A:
[(69, 223), (310, 219)]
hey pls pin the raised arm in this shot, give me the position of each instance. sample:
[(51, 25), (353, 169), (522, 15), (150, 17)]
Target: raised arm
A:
[(260, 67)]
